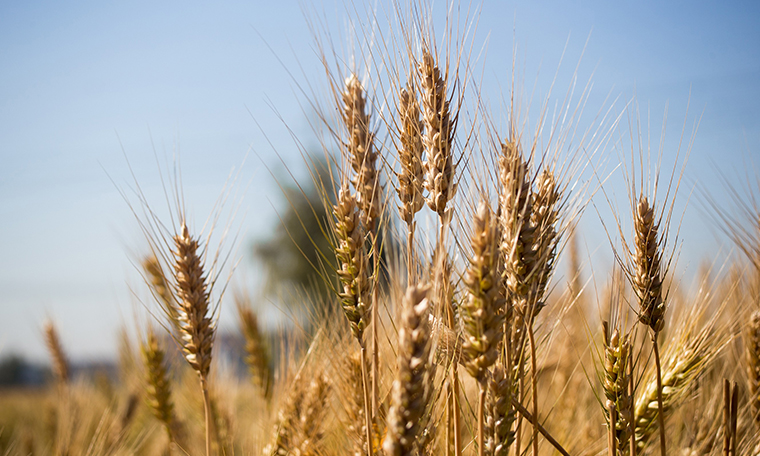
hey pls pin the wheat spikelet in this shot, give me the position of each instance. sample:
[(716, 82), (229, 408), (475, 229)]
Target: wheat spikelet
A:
[(753, 365), (194, 322), (411, 391), (158, 385), (256, 355), (481, 323), (647, 278), (361, 152), (439, 135), (500, 414), (352, 260), (411, 177), (57, 354), (518, 241), (615, 384), (544, 217)]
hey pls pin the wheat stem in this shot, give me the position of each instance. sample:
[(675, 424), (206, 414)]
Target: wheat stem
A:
[(661, 414)]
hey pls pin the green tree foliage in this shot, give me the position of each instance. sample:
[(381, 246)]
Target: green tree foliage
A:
[(299, 256)]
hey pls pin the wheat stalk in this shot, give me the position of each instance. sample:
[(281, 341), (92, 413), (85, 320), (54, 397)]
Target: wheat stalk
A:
[(194, 319), (481, 322)]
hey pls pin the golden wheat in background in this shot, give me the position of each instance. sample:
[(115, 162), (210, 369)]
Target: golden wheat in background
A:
[(450, 333)]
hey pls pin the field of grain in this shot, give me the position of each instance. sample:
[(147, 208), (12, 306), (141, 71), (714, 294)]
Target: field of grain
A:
[(443, 327)]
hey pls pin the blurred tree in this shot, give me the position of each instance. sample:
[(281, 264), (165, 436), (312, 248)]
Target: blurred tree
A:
[(299, 255)]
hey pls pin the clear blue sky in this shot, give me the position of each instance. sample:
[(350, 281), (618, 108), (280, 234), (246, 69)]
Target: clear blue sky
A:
[(79, 81)]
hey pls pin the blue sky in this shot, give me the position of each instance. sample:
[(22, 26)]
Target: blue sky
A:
[(86, 83)]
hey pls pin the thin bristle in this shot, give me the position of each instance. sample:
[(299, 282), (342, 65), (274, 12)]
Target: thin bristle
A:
[(352, 261), (411, 390)]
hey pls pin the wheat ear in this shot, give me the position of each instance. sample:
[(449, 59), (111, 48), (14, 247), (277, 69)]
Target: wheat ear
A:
[(500, 414), (439, 134), (412, 176), (411, 389), (481, 322), (619, 405), (299, 426), (647, 281), (57, 354), (361, 151), (158, 284), (354, 277), (518, 254), (256, 354), (194, 320), (363, 158), (158, 385), (688, 361)]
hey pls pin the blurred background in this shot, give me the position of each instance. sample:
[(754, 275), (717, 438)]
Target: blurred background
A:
[(98, 96)]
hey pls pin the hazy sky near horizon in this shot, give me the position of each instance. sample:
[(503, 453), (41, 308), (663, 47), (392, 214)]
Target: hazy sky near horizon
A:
[(86, 86)]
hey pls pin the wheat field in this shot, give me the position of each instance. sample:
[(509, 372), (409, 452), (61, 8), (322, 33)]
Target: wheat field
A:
[(446, 327)]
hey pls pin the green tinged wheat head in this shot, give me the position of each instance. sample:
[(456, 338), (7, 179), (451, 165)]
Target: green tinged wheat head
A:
[(615, 384), (482, 324), (352, 261)]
